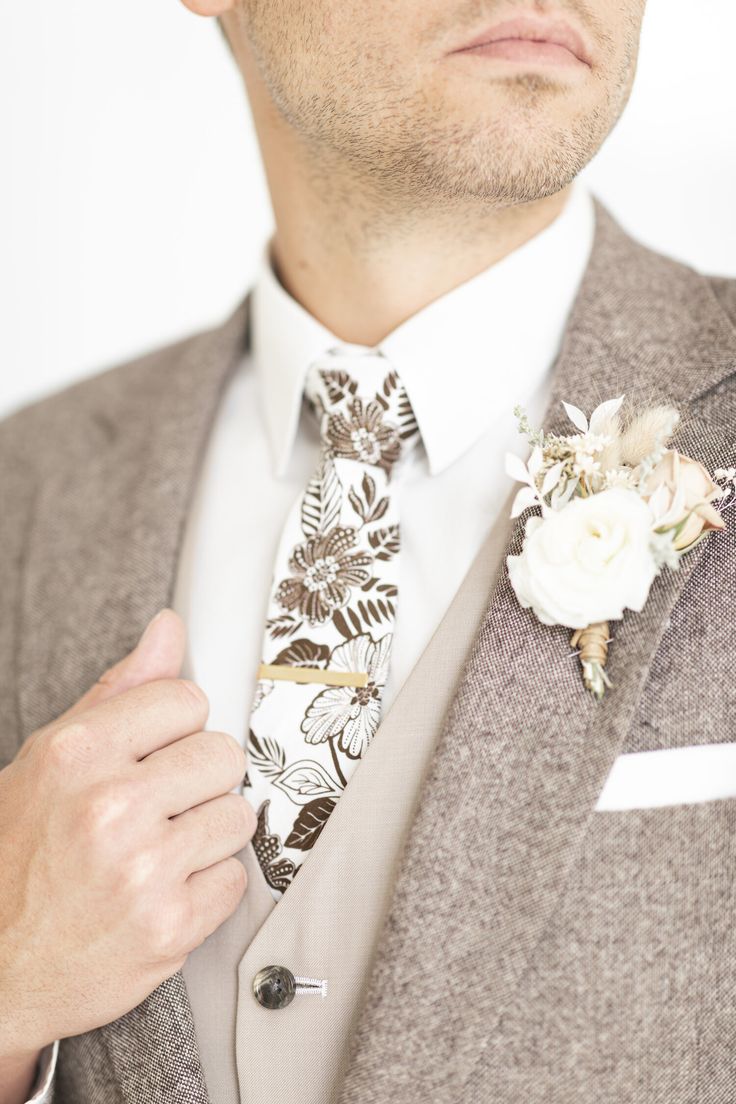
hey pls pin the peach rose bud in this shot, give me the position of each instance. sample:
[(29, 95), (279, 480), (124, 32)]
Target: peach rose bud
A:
[(684, 489)]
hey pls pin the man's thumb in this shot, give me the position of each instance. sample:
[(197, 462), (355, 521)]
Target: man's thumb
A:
[(158, 654)]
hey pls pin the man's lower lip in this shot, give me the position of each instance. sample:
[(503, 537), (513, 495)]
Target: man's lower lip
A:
[(524, 50)]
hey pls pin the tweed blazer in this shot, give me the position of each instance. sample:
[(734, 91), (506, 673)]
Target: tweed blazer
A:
[(534, 949)]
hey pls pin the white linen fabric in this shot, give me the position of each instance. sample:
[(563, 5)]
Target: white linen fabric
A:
[(334, 598), (496, 336)]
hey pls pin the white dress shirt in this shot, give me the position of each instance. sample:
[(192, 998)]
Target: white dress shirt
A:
[(466, 359)]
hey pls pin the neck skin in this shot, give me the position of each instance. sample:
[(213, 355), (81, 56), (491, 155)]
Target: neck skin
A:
[(362, 261)]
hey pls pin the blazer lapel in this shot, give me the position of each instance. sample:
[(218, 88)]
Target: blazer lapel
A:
[(103, 551), (101, 561), (525, 749)]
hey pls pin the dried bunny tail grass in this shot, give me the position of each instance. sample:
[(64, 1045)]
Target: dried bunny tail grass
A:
[(647, 434)]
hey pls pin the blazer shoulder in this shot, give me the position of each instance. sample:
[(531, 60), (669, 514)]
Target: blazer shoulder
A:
[(681, 279), (66, 424), (658, 274), (724, 289)]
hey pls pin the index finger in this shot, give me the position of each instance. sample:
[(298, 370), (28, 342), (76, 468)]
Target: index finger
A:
[(147, 717), (159, 654)]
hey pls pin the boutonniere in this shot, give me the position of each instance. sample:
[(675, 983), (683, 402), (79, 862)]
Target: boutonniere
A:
[(615, 507)]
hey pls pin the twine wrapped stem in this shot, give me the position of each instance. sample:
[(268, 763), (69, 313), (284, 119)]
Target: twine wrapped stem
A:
[(592, 644)]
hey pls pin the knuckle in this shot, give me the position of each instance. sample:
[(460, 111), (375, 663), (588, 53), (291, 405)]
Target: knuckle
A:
[(239, 819), (226, 884), (187, 755), (137, 872), (104, 807), (166, 935), (68, 744), (224, 816), (190, 693), (176, 963), (233, 754), (233, 880)]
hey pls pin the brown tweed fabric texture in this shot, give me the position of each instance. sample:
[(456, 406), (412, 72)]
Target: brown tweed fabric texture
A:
[(535, 950)]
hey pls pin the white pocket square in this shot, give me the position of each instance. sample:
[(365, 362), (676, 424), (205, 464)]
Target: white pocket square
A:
[(675, 776)]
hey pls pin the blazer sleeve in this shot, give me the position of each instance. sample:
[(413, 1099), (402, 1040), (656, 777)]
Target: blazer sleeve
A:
[(18, 483)]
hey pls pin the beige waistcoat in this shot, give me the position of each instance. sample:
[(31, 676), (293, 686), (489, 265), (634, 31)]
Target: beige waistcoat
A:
[(328, 923)]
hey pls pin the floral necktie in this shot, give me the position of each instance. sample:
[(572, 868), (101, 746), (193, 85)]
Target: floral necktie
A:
[(329, 627)]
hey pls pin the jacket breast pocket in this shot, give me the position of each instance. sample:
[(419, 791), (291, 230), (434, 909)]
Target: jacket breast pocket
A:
[(671, 776)]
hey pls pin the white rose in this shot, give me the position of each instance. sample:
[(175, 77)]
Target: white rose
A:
[(586, 562)]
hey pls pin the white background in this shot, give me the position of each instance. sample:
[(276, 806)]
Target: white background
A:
[(133, 202)]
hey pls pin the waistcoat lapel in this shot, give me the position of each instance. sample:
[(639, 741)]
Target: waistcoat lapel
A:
[(525, 750), (101, 561)]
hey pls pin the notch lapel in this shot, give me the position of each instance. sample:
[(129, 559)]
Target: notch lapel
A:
[(102, 552), (101, 561), (525, 749)]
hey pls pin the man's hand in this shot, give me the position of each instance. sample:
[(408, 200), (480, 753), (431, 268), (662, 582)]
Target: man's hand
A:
[(117, 831)]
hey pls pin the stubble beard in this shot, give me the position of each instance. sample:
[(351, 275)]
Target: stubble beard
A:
[(368, 141)]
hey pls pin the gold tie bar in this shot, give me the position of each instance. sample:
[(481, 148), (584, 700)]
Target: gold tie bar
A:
[(312, 674)]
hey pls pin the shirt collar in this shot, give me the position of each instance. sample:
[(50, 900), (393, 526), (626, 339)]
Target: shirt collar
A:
[(464, 359)]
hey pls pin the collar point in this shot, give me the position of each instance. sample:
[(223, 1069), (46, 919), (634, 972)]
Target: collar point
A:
[(438, 461)]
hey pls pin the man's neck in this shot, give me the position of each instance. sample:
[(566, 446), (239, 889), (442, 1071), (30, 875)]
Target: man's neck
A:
[(363, 255), (362, 271)]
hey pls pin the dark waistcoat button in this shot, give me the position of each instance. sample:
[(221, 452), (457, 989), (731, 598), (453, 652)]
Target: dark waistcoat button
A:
[(274, 987)]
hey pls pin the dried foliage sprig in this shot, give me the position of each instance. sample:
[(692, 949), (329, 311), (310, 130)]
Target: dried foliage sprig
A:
[(616, 505)]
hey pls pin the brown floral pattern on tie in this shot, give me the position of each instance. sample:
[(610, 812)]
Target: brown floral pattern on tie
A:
[(364, 435), (333, 607), (345, 713), (326, 568)]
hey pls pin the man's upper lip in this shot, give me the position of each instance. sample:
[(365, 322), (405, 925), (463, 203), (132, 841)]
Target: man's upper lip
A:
[(533, 27)]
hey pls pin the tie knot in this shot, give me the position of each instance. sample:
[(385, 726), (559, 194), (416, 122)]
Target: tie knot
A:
[(363, 408)]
